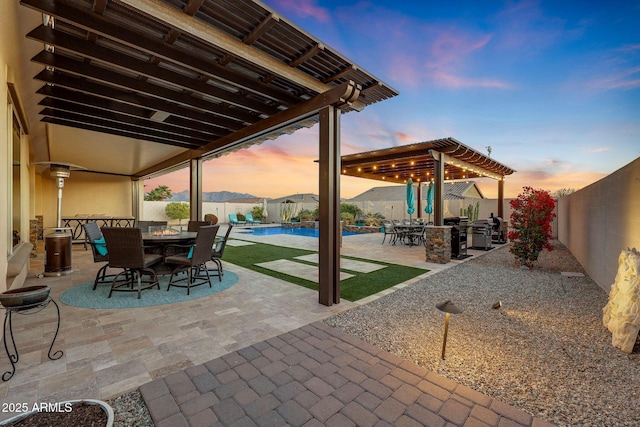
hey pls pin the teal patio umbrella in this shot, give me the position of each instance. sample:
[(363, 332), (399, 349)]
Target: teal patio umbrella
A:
[(428, 209), (411, 200)]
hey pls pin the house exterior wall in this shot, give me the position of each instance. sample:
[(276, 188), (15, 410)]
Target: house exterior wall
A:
[(597, 222), (10, 63), (86, 193)]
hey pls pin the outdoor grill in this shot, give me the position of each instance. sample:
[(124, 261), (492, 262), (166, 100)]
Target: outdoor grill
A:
[(481, 234), (498, 230), (458, 235)]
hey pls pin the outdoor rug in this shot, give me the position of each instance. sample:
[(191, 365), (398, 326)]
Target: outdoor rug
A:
[(84, 297)]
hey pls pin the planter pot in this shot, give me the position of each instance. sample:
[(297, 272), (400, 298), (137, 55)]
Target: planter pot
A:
[(62, 408), (24, 296)]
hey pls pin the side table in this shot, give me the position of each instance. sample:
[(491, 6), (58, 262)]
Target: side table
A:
[(12, 351)]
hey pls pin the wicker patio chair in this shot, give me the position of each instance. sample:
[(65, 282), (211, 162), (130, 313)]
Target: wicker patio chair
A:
[(193, 226), (99, 249), (126, 251), (192, 260), (218, 251)]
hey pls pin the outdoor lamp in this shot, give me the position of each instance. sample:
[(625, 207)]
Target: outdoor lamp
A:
[(449, 308)]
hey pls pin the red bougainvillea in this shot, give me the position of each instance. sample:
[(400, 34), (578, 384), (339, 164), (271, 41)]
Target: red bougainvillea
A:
[(530, 224)]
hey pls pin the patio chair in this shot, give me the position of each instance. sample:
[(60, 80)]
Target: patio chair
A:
[(126, 251), (249, 218), (192, 260), (194, 226), (233, 220), (100, 254), (389, 230), (218, 251)]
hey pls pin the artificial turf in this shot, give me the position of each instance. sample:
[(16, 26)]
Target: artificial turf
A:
[(354, 288)]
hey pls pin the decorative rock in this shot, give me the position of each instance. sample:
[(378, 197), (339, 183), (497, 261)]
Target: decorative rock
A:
[(621, 315)]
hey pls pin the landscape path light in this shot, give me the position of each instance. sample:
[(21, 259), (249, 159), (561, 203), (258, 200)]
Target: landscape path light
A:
[(449, 308)]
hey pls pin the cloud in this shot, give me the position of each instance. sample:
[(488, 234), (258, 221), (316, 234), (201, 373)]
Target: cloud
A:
[(625, 79), (523, 27), (304, 9), (601, 149)]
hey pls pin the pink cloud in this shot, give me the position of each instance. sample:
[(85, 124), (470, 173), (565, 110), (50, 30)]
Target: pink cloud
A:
[(628, 78), (304, 9)]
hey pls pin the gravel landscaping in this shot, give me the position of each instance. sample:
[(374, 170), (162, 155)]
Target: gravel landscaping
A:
[(545, 350)]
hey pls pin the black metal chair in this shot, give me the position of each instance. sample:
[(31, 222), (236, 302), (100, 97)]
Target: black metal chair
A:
[(389, 230), (218, 251), (192, 260), (126, 251), (94, 239)]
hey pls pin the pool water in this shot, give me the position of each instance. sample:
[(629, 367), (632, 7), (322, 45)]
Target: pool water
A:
[(294, 231)]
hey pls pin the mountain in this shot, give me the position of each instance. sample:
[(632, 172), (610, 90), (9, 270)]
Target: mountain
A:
[(210, 196)]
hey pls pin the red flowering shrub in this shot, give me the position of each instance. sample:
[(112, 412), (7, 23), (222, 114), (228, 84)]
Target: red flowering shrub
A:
[(530, 224)]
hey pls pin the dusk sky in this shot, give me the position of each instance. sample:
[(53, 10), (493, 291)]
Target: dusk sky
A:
[(553, 87)]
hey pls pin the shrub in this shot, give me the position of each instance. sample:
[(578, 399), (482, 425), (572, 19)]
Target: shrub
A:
[(533, 212), (354, 210), (306, 215), (258, 213), (347, 217), (177, 210), (373, 219)]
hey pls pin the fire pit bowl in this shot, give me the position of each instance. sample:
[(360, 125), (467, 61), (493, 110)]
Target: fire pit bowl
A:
[(24, 296)]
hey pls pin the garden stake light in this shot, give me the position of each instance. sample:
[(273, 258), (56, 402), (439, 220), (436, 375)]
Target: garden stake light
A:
[(449, 308)]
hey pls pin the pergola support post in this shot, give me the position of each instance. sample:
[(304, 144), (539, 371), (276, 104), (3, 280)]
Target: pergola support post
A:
[(438, 189), (501, 198), (329, 239), (195, 189)]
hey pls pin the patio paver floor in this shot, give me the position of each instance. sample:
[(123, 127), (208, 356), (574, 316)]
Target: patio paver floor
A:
[(111, 352)]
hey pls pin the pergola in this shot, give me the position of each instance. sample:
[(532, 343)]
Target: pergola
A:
[(178, 82), (440, 160)]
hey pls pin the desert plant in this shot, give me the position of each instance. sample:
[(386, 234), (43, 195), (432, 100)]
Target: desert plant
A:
[(346, 217), (177, 210), (306, 215), (373, 219), (533, 211), (288, 210), (354, 210), (258, 213)]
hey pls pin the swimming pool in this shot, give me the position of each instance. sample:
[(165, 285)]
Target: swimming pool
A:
[(294, 231)]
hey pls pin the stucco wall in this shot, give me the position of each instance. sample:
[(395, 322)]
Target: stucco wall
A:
[(9, 64), (86, 193), (599, 221)]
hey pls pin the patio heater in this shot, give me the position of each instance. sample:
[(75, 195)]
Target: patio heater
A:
[(57, 243)]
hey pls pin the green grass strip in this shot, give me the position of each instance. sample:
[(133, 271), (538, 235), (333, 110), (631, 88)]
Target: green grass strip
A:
[(355, 288)]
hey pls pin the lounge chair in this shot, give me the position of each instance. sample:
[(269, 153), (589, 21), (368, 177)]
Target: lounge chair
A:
[(250, 220), (233, 220)]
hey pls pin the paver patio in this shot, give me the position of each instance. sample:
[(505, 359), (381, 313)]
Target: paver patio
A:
[(110, 352)]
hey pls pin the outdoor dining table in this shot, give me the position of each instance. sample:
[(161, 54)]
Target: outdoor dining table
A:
[(408, 234)]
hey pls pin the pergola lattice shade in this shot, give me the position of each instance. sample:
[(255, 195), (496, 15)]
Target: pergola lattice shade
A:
[(415, 161), (183, 73)]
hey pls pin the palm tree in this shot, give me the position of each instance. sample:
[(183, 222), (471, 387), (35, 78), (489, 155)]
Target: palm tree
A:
[(160, 193)]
